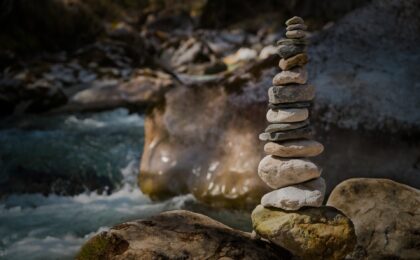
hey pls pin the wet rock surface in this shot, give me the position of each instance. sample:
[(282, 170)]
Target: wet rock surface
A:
[(178, 235)]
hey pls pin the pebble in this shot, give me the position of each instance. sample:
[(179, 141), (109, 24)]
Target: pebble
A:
[(297, 75), (286, 126), (294, 148), (295, 20), (300, 133), (287, 115), (286, 51), (291, 93), (294, 197), (292, 42), (278, 172), (297, 60), (297, 26), (296, 34), (290, 105)]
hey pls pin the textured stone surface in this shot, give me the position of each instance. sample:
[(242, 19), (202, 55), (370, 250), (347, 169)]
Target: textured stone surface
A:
[(386, 216), (177, 235), (297, 60), (290, 105), (310, 233), (287, 115), (294, 148), (295, 34), (291, 93), (286, 51), (305, 132), (294, 20), (296, 75), (292, 42), (285, 126), (294, 197), (278, 172), (297, 27)]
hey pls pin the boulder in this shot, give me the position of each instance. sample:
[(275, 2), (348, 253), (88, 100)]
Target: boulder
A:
[(177, 235), (310, 233), (386, 216)]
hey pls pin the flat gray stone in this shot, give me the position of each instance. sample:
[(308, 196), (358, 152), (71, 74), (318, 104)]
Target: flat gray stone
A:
[(301, 133), (296, 27), (290, 105), (286, 51), (287, 115), (292, 42), (295, 20), (294, 148), (285, 126), (296, 34), (291, 93), (294, 197)]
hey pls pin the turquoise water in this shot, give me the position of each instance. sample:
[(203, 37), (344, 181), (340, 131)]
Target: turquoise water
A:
[(65, 178)]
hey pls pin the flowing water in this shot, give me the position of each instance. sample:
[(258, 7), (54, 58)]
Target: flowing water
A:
[(65, 178)]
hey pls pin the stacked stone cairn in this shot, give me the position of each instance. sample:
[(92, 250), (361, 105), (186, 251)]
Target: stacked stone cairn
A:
[(292, 215)]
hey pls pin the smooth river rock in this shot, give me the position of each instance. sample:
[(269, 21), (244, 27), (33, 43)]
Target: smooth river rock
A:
[(287, 115), (297, 75), (285, 126), (292, 42), (297, 60), (386, 216), (294, 197), (278, 172), (291, 93), (295, 34), (294, 148), (286, 51), (305, 132), (177, 234), (297, 26), (310, 233), (295, 20)]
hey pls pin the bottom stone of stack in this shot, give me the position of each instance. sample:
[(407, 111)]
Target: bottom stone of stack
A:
[(310, 233), (294, 197)]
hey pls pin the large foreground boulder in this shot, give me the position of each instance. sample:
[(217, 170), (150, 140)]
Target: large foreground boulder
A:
[(177, 235), (386, 215)]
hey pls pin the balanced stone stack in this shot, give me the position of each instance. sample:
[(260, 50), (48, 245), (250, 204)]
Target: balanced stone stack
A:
[(292, 216)]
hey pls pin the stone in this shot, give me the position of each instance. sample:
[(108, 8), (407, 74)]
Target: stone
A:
[(310, 233), (290, 105), (278, 172), (294, 197), (297, 26), (177, 234), (294, 148), (297, 60), (286, 126), (292, 42), (305, 132), (291, 93), (296, 34), (288, 115), (297, 75), (386, 216), (286, 51), (295, 20)]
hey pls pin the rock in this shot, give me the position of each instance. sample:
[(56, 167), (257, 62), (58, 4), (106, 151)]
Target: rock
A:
[(177, 234), (286, 51), (286, 126), (297, 60), (386, 216), (296, 34), (267, 52), (295, 20), (291, 93), (311, 233), (277, 172), (289, 115), (297, 26), (297, 75), (292, 42), (290, 105), (300, 133), (294, 197), (294, 148)]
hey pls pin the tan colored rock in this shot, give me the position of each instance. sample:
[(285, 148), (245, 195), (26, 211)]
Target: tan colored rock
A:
[(297, 26), (386, 216), (296, 34), (278, 172), (310, 233), (294, 148), (297, 60), (296, 75), (288, 115), (295, 20), (294, 197)]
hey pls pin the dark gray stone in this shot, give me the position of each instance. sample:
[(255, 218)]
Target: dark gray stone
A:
[(300, 133), (291, 93), (285, 126), (292, 42), (290, 105), (286, 51)]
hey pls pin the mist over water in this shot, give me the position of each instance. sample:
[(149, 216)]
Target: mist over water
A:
[(99, 153)]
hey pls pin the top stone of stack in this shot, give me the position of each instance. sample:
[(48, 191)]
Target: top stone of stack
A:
[(295, 20)]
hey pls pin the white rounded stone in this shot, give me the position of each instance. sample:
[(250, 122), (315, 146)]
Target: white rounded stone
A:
[(294, 197), (287, 115), (278, 172), (294, 148)]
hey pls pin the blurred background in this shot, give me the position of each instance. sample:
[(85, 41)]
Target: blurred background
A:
[(117, 110)]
